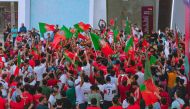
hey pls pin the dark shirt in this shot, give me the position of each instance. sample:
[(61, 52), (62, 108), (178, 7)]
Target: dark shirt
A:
[(40, 106), (23, 29)]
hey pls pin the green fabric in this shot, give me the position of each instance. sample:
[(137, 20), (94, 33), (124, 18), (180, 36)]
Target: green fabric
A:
[(66, 57), (153, 60), (42, 28), (46, 91), (70, 93), (142, 87), (128, 28), (18, 59), (67, 32), (186, 66), (78, 28), (116, 32), (129, 44), (95, 41), (147, 74)]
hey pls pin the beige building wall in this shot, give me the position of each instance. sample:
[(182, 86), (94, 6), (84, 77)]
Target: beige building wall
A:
[(131, 9)]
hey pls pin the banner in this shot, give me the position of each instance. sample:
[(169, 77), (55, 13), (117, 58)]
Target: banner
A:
[(147, 19)]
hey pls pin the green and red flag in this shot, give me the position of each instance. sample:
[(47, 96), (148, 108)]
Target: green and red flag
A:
[(100, 44), (129, 44), (95, 40), (148, 96), (44, 27), (69, 55), (81, 36), (116, 35), (16, 72), (67, 32), (82, 26), (148, 81)]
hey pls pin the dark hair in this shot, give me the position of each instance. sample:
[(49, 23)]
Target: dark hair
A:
[(18, 98), (63, 93), (86, 79), (115, 100), (44, 82), (94, 101), (130, 100), (41, 99), (4, 76), (108, 79), (163, 101), (39, 89)]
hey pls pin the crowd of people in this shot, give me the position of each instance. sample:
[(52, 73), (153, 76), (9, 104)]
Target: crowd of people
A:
[(46, 79)]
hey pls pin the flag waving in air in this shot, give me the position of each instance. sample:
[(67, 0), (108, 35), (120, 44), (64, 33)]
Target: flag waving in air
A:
[(46, 27)]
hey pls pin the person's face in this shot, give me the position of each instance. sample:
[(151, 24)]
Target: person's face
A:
[(22, 24)]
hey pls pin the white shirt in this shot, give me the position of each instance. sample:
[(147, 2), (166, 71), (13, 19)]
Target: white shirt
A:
[(86, 69), (184, 78), (63, 78), (39, 70), (52, 100), (140, 80), (110, 91), (176, 103), (80, 98), (125, 104), (86, 88)]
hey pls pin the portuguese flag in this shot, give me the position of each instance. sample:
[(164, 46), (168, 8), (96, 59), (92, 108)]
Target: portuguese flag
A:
[(69, 55), (67, 33), (80, 27), (46, 27), (16, 72), (147, 95), (129, 44), (116, 35), (100, 44), (149, 83)]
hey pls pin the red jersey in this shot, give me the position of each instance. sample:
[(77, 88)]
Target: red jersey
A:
[(36, 98), (116, 107), (28, 98), (2, 103), (164, 106), (52, 82), (123, 90), (15, 105), (135, 106), (93, 107)]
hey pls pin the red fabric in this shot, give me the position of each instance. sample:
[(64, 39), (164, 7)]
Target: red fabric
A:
[(165, 95), (164, 106), (112, 22), (1, 64), (28, 98), (15, 105), (135, 106), (122, 91), (122, 78), (84, 26), (82, 36), (149, 97), (150, 85), (2, 103), (36, 98), (16, 72), (131, 70), (32, 63), (106, 49), (116, 107), (52, 82), (50, 27), (92, 107), (70, 54), (19, 39)]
